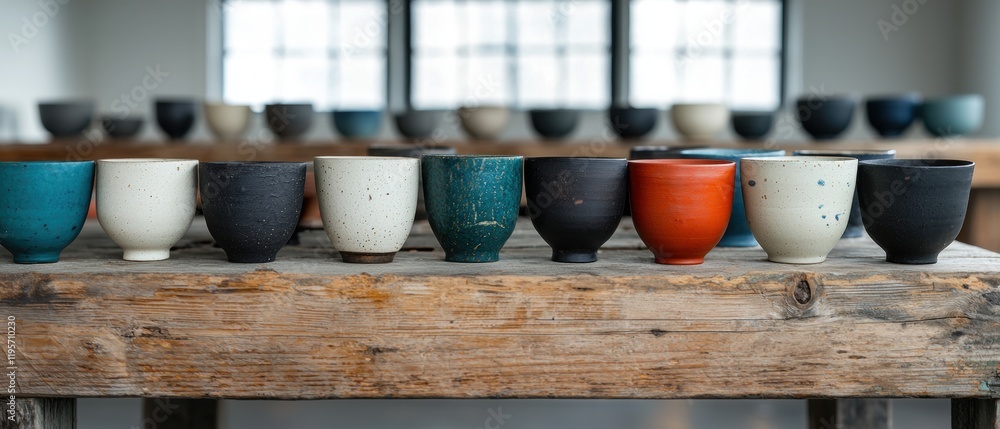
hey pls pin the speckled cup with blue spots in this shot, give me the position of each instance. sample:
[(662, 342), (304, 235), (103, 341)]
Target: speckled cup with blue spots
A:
[(798, 206), (43, 206), (472, 203), (855, 227)]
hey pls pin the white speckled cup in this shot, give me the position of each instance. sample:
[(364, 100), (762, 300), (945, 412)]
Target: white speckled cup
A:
[(367, 204), (146, 205), (798, 207)]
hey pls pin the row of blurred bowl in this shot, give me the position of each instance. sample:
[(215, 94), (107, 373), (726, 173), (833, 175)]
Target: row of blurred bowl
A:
[(824, 117)]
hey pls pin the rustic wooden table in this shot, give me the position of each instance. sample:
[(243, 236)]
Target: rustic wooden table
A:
[(309, 326)]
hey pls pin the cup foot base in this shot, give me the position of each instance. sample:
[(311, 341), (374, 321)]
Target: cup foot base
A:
[(251, 259), (574, 257), (36, 258), (471, 257), (796, 260), (911, 260), (737, 241), (146, 255), (367, 258), (680, 261)]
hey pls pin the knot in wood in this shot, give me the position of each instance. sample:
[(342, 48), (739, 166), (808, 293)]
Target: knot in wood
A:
[(802, 292)]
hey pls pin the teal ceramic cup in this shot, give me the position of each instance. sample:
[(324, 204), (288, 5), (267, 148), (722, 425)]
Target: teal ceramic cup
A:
[(42, 207), (472, 203), (738, 232)]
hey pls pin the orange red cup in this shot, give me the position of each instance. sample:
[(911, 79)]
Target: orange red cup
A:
[(681, 207)]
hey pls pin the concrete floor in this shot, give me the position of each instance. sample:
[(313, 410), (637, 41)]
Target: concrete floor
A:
[(514, 414)]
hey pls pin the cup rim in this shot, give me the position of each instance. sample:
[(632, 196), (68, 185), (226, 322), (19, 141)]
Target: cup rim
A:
[(410, 147), (581, 158), (143, 160), (470, 156), (683, 161), (46, 162), (842, 153), (920, 163), (248, 163), (364, 158), (801, 159), (740, 152)]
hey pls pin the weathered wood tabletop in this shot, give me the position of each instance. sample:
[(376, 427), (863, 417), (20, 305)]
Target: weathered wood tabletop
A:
[(310, 326)]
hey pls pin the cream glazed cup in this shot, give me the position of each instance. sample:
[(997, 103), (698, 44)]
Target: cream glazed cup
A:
[(367, 204), (798, 206), (146, 205)]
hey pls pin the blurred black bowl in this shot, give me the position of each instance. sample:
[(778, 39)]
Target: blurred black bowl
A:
[(66, 118), (554, 123), (752, 125), (121, 128), (176, 116), (632, 122)]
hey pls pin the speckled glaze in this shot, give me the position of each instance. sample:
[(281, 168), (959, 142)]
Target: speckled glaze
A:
[(575, 204), (680, 207), (252, 208), (798, 206), (412, 151), (855, 228), (914, 208), (738, 232), (472, 203), (146, 205), (42, 207), (367, 204)]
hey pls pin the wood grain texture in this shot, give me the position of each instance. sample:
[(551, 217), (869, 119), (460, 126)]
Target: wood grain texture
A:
[(42, 413), (310, 326), (850, 413), (986, 153)]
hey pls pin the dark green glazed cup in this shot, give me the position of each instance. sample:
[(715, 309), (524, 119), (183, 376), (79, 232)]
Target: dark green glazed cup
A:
[(472, 203), (42, 207)]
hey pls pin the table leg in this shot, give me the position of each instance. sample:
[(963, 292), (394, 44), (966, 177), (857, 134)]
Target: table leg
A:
[(850, 414), (174, 413), (40, 413), (975, 414)]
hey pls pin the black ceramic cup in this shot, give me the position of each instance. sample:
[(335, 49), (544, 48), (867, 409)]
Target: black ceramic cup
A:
[(855, 228), (175, 117), (289, 121), (575, 204), (252, 208), (914, 208)]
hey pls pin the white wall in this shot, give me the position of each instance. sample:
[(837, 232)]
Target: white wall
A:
[(102, 50), (39, 60)]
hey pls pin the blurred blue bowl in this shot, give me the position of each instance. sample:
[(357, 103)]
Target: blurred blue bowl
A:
[(890, 116), (953, 116), (357, 124)]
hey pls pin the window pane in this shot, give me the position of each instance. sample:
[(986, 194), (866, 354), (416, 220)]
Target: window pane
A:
[(435, 25), (362, 82), (755, 83), (250, 25), (327, 52), (588, 81), (653, 23), (653, 80), (304, 24), (435, 81), (515, 52), (536, 23), (706, 51), (587, 23), (538, 80), (757, 25), (249, 78)]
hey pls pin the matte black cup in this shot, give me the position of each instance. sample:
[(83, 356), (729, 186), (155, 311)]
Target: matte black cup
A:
[(575, 204), (252, 208), (914, 208)]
